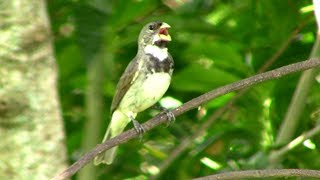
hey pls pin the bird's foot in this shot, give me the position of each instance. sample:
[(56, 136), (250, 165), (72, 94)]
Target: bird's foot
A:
[(167, 112), (139, 129), (170, 116)]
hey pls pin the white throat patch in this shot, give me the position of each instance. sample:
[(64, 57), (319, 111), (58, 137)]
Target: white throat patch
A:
[(160, 53)]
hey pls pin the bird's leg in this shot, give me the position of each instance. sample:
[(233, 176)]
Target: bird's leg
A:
[(137, 126), (169, 114)]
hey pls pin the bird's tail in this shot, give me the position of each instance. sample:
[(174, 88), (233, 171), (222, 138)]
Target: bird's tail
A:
[(118, 122)]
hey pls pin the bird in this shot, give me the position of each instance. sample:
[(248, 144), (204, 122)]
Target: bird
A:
[(142, 84)]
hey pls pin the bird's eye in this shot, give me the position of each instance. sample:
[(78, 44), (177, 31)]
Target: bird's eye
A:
[(152, 27)]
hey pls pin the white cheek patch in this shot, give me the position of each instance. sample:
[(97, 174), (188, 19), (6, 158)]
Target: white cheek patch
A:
[(160, 53), (155, 39)]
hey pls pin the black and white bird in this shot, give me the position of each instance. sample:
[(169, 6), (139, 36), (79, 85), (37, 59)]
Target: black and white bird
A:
[(143, 83)]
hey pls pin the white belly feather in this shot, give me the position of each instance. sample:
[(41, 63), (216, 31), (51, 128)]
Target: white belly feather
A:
[(142, 96), (156, 85)]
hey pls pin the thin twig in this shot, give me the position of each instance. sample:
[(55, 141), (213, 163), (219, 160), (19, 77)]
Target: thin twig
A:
[(294, 143), (284, 46), (194, 103), (267, 173)]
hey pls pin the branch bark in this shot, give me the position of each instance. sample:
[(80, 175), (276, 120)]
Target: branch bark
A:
[(268, 173), (194, 103)]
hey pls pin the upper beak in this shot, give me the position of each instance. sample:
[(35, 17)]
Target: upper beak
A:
[(163, 32), (165, 25)]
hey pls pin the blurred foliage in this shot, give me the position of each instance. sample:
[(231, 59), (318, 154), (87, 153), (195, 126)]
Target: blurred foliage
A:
[(215, 42)]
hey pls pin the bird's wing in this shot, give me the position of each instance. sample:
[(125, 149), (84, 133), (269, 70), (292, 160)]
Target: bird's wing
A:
[(124, 83)]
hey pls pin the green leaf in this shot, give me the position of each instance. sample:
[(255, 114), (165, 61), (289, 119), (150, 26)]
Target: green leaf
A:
[(197, 78)]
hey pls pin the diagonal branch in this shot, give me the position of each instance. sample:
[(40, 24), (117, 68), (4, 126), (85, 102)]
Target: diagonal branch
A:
[(194, 103), (267, 173)]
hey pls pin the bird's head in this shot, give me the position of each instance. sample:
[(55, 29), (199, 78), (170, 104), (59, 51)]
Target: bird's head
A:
[(154, 33)]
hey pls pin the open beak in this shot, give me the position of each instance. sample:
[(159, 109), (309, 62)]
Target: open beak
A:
[(163, 32)]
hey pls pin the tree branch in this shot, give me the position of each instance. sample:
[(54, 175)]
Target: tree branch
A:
[(268, 173), (194, 103)]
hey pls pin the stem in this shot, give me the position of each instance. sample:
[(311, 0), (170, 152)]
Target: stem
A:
[(297, 105)]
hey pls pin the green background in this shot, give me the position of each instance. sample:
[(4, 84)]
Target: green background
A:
[(214, 42)]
